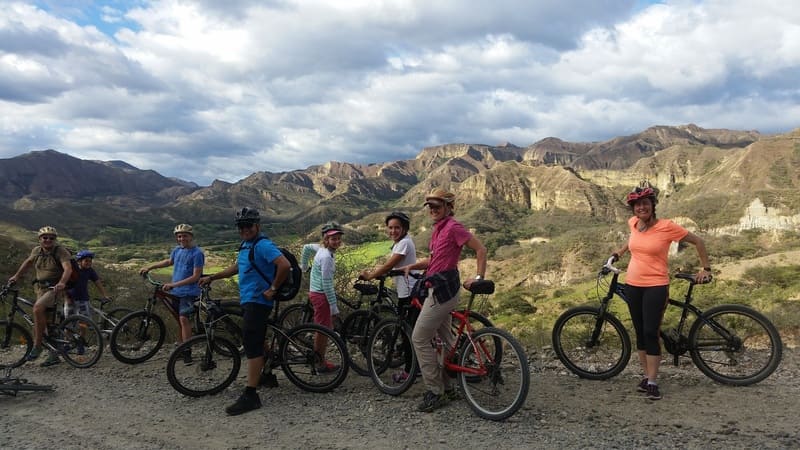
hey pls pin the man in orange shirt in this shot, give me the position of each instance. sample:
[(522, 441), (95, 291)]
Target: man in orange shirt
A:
[(648, 277)]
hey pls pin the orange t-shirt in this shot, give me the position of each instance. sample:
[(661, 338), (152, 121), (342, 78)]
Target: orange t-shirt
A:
[(649, 250)]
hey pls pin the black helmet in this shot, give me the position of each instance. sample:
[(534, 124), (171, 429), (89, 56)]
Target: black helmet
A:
[(401, 216), (247, 216), (331, 228)]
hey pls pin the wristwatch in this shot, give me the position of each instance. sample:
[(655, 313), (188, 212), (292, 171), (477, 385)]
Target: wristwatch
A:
[(478, 277)]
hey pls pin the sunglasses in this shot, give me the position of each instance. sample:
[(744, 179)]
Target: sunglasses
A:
[(245, 226), (47, 238)]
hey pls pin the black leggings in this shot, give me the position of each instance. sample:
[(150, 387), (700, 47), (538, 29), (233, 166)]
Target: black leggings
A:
[(647, 305)]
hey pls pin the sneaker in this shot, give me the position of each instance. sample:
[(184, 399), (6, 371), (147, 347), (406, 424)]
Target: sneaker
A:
[(451, 395), (642, 387), (268, 380), (51, 360), (652, 392), (327, 367), (187, 357), (35, 352), (399, 377), (244, 404), (431, 401)]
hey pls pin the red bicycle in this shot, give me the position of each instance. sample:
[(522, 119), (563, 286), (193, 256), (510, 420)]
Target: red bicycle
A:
[(489, 363)]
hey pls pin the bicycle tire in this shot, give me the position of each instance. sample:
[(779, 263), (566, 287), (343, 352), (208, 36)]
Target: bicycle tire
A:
[(477, 321), (16, 343), (599, 360), (215, 365), (389, 348), (301, 363), (115, 316), (502, 390), (228, 329), (137, 337), (749, 355), (295, 315), (355, 333), (80, 341)]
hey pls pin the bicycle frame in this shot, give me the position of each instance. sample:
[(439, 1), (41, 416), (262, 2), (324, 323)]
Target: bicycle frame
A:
[(15, 307), (159, 294)]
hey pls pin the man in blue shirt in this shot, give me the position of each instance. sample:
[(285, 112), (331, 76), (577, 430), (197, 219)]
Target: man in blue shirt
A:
[(257, 288)]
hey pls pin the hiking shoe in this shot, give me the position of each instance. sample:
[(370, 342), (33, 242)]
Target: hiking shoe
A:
[(652, 392), (35, 352), (642, 387), (51, 360), (187, 357), (268, 380), (451, 395), (431, 401), (327, 367), (244, 404)]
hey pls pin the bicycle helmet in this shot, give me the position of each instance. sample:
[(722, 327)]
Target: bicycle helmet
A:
[(47, 230), (183, 228), (401, 216), (247, 216), (331, 229), (84, 254), (642, 191)]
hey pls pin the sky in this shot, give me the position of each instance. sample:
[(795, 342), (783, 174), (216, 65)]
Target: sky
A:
[(204, 90)]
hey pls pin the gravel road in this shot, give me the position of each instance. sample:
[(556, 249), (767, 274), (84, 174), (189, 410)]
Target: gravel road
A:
[(113, 405)]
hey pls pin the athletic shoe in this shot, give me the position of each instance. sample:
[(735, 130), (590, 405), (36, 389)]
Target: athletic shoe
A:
[(51, 360), (187, 357), (327, 367), (642, 386), (35, 352), (431, 401), (244, 404), (652, 392)]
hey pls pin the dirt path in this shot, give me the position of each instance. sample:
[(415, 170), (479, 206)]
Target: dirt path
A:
[(118, 406), (734, 270)]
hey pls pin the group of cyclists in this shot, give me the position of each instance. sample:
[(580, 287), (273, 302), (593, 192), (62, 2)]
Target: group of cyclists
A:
[(262, 268)]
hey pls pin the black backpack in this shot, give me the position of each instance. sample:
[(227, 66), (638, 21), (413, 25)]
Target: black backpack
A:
[(291, 285)]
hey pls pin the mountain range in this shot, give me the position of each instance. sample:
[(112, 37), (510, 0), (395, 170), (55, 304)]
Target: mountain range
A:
[(711, 175)]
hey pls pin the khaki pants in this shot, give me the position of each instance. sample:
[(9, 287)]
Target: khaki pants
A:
[(433, 320)]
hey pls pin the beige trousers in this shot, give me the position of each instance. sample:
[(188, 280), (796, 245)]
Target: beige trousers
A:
[(434, 320)]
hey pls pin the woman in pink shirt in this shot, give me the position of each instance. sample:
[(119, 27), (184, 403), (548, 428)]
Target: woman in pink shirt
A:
[(441, 274), (647, 279)]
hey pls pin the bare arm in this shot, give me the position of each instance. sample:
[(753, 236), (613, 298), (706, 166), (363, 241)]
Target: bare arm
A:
[(702, 253), (156, 265), (228, 272), (385, 268), (23, 268), (480, 254), (193, 278)]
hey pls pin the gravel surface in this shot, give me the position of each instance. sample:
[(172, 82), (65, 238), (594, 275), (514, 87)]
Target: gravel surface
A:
[(113, 405)]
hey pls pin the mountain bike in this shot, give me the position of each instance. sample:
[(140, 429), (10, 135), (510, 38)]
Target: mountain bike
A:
[(214, 367), (141, 334), (489, 363), (75, 338), (731, 344)]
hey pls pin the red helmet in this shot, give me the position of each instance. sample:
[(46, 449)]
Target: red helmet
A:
[(639, 192)]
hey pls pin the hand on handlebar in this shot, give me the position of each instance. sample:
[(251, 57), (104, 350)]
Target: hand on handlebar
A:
[(703, 277)]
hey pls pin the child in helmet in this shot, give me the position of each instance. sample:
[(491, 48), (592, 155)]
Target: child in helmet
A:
[(188, 261), (77, 299), (321, 292)]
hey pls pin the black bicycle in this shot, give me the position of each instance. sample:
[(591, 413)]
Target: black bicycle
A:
[(75, 338), (141, 334), (731, 344), (213, 367), (107, 320)]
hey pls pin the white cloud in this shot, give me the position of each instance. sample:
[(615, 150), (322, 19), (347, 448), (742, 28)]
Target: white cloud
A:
[(201, 91)]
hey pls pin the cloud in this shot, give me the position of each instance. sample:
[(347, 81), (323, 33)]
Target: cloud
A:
[(199, 90)]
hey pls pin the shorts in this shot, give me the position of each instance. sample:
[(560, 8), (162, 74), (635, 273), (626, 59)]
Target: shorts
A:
[(254, 328), (322, 309), (184, 305), (79, 307)]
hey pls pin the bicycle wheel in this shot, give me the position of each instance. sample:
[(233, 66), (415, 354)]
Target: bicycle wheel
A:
[(733, 344), (296, 314), (589, 346), (80, 341), (477, 321), (15, 344), (503, 379), (390, 357), (113, 317), (355, 333), (306, 368), (228, 329), (137, 337), (213, 367)]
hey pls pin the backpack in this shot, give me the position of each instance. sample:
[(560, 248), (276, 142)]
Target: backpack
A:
[(291, 285), (75, 275)]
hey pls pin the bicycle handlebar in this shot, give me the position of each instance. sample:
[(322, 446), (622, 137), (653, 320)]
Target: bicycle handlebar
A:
[(150, 279), (608, 267)]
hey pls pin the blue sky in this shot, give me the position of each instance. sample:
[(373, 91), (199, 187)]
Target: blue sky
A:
[(208, 90)]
